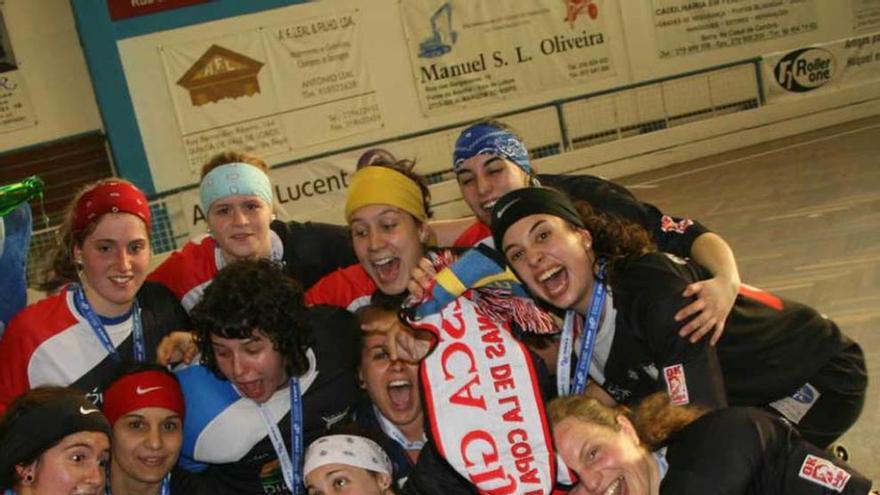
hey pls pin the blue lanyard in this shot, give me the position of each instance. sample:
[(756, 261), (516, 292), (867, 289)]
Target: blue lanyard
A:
[(291, 469), (137, 331), (164, 488), (582, 369)]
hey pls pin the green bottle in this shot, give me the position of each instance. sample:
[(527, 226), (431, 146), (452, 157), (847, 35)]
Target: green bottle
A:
[(12, 195)]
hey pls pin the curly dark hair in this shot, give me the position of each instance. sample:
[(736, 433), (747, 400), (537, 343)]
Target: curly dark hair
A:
[(616, 239), (250, 295)]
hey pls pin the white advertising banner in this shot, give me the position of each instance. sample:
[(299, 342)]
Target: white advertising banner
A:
[(272, 83), (821, 68), (866, 15), (271, 89), (466, 53), (686, 27), (15, 104)]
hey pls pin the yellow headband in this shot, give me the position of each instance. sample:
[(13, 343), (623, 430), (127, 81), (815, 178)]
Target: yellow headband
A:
[(377, 185)]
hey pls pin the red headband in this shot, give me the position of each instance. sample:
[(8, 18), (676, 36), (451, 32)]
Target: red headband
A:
[(142, 389), (110, 197)]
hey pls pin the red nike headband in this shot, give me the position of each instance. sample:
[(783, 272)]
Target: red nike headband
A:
[(142, 389)]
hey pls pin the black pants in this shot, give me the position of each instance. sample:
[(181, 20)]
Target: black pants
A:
[(842, 384)]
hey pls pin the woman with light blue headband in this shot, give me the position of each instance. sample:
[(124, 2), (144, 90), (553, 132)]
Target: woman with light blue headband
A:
[(237, 199), (490, 159)]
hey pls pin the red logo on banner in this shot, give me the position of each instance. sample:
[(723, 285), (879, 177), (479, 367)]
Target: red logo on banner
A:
[(676, 385), (123, 9), (824, 472), (574, 8)]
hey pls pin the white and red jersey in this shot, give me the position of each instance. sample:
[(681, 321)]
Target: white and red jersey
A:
[(51, 343), (308, 251), (189, 271), (350, 288)]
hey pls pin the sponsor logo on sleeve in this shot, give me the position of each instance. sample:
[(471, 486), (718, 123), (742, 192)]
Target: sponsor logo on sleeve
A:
[(668, 224), (796, 406), (676, 385), (824, 472)]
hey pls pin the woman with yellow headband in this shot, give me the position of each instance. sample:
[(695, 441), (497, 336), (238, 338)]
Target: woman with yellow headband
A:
[(237, 200), (386, 210)]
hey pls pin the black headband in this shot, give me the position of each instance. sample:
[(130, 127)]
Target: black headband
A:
[(39, 428), (521, 203)]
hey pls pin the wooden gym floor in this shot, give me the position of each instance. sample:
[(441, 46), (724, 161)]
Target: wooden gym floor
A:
[(803, 217)]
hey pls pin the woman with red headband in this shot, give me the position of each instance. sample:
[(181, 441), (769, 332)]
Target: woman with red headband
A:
[(145, 409), (104, 313)]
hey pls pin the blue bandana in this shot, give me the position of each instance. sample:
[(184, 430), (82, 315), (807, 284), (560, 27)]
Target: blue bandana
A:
[(488, 139), (232, 179)]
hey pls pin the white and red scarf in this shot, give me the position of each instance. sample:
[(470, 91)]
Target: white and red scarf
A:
[(483, 398)]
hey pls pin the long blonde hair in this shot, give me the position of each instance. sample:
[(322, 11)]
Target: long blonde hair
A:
[(655, 419)]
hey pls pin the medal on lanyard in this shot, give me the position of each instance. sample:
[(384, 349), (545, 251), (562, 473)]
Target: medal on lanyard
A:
[(166, 485), (392, 431), (137, 332), (566, 344), (291, 468)]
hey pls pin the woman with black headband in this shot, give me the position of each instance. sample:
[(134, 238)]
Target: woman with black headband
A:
[(775, 353), (53, 441)]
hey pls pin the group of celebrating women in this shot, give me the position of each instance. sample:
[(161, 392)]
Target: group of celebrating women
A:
[(304, 361)]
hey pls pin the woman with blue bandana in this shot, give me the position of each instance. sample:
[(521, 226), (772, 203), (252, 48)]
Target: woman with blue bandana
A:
[(236, 196), (490, 159)]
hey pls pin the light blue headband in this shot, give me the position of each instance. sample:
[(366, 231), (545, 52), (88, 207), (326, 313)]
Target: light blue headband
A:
[(235, 178), (485, 138)]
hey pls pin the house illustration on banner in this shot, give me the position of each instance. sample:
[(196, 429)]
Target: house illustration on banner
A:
[(221, 73)]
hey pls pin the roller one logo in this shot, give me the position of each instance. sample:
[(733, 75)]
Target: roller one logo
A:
[(805, 69)]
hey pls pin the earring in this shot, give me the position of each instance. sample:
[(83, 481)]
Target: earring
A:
[(29, 478)]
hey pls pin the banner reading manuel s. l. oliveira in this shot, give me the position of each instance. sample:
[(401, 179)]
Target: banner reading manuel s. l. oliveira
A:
[(468, 53)]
